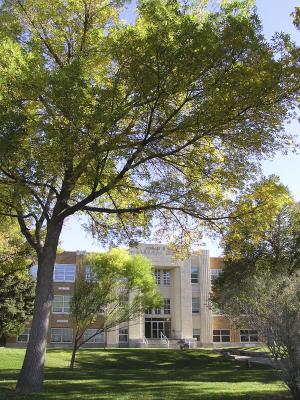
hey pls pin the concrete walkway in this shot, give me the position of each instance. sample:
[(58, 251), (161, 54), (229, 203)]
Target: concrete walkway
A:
[(258, 358)]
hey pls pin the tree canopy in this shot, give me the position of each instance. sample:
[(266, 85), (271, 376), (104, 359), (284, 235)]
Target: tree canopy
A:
[(119, 121)]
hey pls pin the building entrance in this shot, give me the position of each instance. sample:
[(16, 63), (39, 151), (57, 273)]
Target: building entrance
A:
[(155, 326)]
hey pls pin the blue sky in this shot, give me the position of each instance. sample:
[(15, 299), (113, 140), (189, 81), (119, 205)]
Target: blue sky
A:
[(275, 16)]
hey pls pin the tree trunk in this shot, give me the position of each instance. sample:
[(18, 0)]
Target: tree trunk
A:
[(3, 340), (75, 348), (32, 373), (296, 394)]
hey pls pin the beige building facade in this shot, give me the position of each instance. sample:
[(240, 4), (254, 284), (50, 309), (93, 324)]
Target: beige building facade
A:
[(186, 313)]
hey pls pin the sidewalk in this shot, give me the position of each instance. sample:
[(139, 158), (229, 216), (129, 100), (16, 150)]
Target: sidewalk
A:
[(258, 358)]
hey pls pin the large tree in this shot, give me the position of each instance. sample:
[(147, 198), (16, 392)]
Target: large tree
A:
[(118, 289), (160, 120)]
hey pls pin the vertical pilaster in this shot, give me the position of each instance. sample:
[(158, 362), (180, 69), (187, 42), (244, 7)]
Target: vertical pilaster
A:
[(186, 300), (205, 288)]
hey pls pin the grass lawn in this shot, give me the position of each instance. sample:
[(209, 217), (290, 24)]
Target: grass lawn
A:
[(143, 374)]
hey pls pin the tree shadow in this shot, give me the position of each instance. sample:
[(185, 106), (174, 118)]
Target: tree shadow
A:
[(150, 374)]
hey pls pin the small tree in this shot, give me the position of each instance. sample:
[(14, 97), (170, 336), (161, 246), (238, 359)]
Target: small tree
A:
[(16, 284), (260, 287), (119, 289)]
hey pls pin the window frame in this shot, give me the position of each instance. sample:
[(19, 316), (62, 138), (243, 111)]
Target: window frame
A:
[(64, 308), (194, 309), (166, 277), (197, 335), (250, 333), (167, 306), (223, 333), (157, 311), (123, 334), (157, 276), (194, 275), (61, 335), (99, 338), (64, 275), (26, 333)]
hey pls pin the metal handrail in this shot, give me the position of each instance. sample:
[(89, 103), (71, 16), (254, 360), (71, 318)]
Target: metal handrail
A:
[(164, 339)]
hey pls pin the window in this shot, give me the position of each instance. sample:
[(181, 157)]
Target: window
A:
[(196, 334), (221, 335), (61, 335), (99, 338), (195, 305), (123, 299), (123, 335), (167, 277), (194, 275), (167, 306), (248, 335), (157, 276), (148, 311), (61, 304), (89, 275), (24, 336), (64, 272), (157, 311), (214, 273)]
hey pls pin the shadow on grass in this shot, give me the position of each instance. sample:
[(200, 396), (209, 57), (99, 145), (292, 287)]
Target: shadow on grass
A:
[(151, 374)]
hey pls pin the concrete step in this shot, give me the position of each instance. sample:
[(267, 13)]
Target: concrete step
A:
[(157, 343)]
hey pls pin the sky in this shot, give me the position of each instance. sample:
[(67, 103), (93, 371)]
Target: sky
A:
[(275, 16)]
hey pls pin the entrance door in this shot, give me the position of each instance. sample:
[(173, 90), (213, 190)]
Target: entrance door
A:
[(155, 326), (158, 327)]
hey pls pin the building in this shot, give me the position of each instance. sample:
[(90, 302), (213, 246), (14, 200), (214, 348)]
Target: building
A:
[(185, 286)]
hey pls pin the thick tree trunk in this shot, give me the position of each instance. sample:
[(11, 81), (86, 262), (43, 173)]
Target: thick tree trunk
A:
[(32, 373), (296, 394)]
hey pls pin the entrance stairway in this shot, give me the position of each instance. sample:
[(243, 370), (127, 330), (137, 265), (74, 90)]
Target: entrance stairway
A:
[(160, 344), (165, 343)]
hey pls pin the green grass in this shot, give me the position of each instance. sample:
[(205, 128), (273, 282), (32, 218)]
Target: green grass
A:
[(143, 374)]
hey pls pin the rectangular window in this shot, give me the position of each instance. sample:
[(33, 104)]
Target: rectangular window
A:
[(221, 335), (61, 335), (123, 335), (98, 338), (195, 305), (196, 334), (123, 299), (214, 273), (157, 311), (167, 277), (194, 275), (61, 304), (148, 311), (89, 276), (248, 335), (167, 306), (24, 336), (64, 273), (157, 276)]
